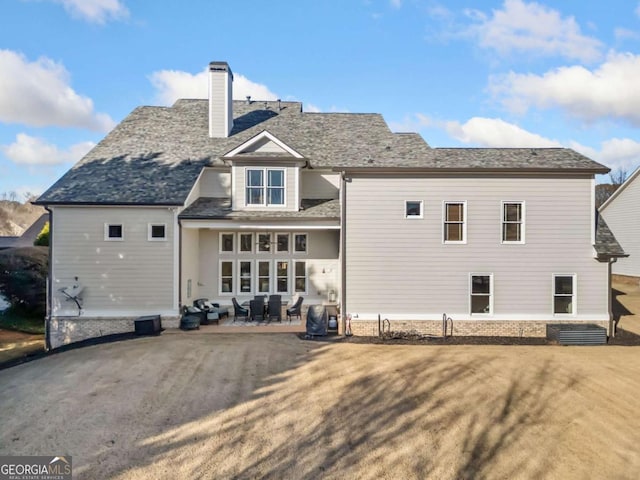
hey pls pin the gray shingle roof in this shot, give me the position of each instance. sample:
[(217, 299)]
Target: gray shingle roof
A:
[(155, 154), (606, 244), (220, 208)]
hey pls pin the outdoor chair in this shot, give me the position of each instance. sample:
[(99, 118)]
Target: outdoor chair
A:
[(256, 309), (238, 311), (295, 310), (274, 307), (209, 307)]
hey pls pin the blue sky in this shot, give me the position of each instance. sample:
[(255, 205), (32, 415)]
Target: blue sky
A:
[(506, 73)]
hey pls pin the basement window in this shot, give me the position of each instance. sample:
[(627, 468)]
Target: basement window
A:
[(413, 209)]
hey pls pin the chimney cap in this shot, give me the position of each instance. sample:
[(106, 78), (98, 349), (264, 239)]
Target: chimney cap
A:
[(220, 67)]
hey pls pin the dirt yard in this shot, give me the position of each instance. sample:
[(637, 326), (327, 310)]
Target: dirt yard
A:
[(273, 406)]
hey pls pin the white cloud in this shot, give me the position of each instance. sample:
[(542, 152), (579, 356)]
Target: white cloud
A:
[(625, 34), (609, 91), (494, 132), (174, 84), (534, 29), (615, 153), (38, 94), (396, 3), (28, 150), (311, 108), (95, 11)]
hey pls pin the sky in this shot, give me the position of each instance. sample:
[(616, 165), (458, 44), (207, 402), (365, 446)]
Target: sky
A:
[(509, 73)]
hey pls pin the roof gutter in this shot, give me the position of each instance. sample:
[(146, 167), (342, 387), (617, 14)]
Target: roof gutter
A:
[(467, 170), (44, 204)]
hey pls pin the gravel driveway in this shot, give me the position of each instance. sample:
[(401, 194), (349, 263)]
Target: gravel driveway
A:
[(274, 406)]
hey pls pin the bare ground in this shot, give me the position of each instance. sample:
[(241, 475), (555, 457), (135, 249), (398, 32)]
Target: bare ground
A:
[(273, 406), (193, 405)]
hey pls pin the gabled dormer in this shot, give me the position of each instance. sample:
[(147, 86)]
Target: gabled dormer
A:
[(265, 174)]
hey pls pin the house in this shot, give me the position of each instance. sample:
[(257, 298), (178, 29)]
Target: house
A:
[(219, 198), (622, 213)]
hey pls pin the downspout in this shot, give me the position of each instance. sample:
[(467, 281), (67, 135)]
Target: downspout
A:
[(47, 318), (612, 329), (343, 256)]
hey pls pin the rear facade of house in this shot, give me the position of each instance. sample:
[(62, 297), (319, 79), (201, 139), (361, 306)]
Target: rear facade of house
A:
[(220, 199)]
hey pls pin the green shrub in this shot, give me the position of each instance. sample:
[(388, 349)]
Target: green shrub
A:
[(23, 278), (42, 240)]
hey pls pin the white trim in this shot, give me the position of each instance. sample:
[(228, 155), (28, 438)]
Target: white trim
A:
[(262, 252), (523, 221), (243, 225), (275, 275), (239, 276), (464, 222), (195, 185), (288, 250), (233, 243), (296, 186), (252, 242), (233, 277), (306, 243), (481, 314), (151, 238), (72, 313), (257, 138), (265, 187), (258, 277), (416, 217), (107, 238), (574, 295), (176, 261), (306, 277)]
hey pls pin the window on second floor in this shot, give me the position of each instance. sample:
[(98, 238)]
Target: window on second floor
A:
[(265, 186), (512, 222), (455, 227)]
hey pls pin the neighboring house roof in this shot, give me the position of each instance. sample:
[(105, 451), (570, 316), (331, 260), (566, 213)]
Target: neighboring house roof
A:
[(154, 156), (606, 244), (220, 208), (7, 242), (620, 189)]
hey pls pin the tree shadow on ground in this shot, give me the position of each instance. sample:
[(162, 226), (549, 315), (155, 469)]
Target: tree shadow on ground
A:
[(364, 412)]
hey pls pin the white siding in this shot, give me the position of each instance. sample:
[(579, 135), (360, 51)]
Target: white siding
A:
[(401, 266), (129, 277), (317, 184), (291, 196), (622, 215), (322, 265), (190, 266), (220, 104), (215, 183)]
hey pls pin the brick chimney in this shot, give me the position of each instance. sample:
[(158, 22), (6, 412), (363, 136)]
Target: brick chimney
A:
[(220, 99)]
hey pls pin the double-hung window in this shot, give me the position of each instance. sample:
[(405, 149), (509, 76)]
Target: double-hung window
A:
[(481, 293), (455, 227), (300, 272), (245, 276), (265, 186), (226, 276), (512, 222), (564, 294), (282, 276)]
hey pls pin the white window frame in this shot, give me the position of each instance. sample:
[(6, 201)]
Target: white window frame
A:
[(113, 239), (265, 187), (251, 243), (233, 277), (574, 294), (306, 244), (522, 222), (240, 277), (258, 276), (296, 276), (464, 221), (262, 252), (416, 217), (276, 277), (471, 294), (151, 238), (277, 244), (233, 243)]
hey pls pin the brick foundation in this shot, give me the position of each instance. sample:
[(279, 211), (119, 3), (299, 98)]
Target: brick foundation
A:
[(465, 328), (65, 330)]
